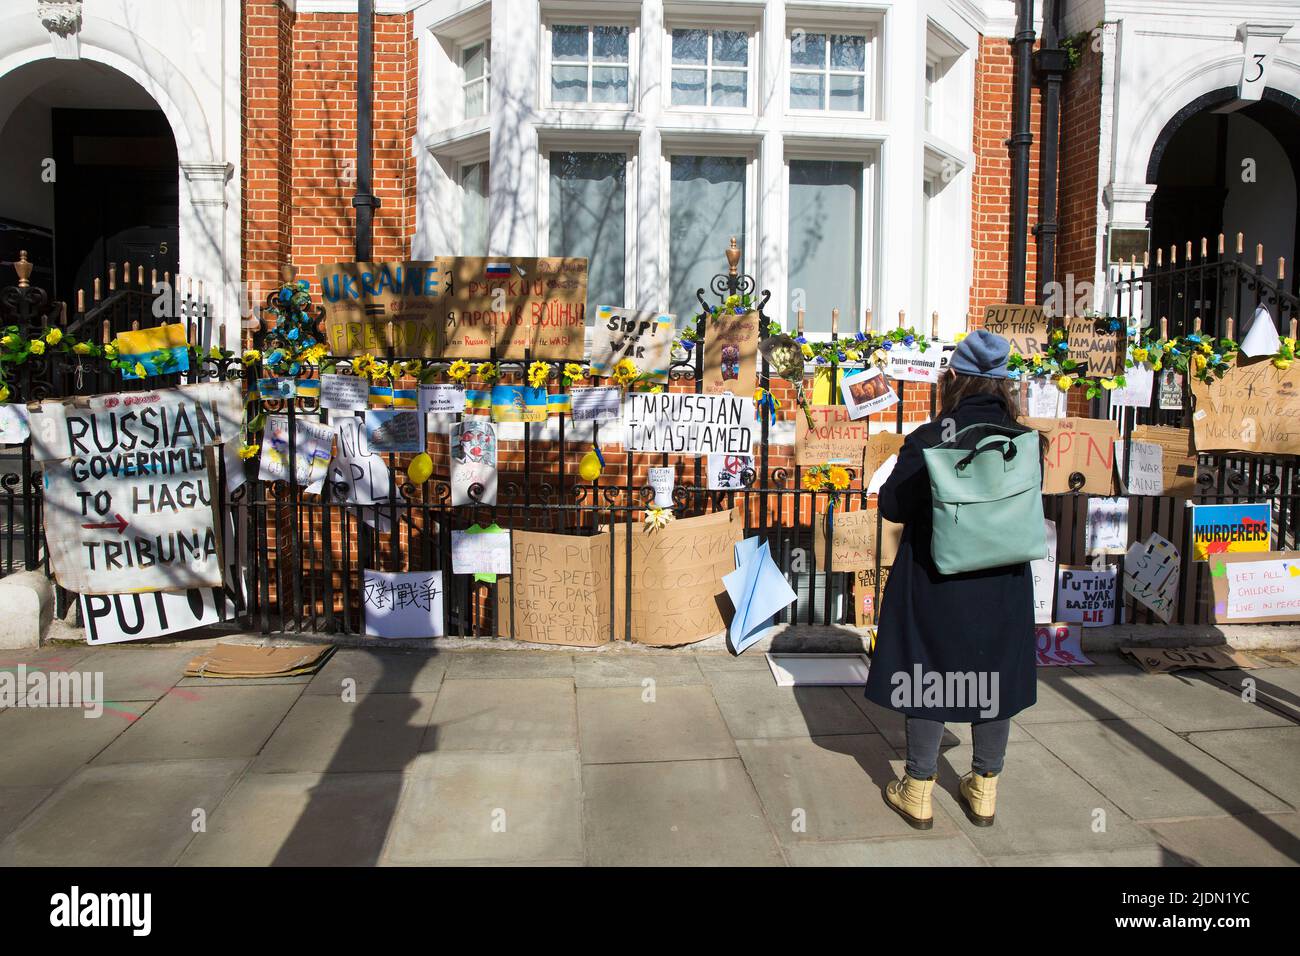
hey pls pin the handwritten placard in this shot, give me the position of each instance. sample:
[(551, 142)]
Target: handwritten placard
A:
[(689, 424), (1044, 400), (558, 590), (1101, 350), (1086, 596), (1136, 390), (349, 392), (853, 536), (1254, 408), (1231, 529), (865, 605), (1082, 445), (644, 337), (1151, 574), (516, 303), (374, 306), (1023, 326), (1256, 588), (1146, 473), (308, 455), (833, 439), (1044, 573), (402, 604), (441, 398), (1059, 645), (1177, 458)]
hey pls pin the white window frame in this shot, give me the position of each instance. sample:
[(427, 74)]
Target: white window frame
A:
[(633, 44), (945, 55), (930, 90), (870, 91), (628, 147), (463, 48), (711, 27), (868, 226), (749, 251), (462, 166)]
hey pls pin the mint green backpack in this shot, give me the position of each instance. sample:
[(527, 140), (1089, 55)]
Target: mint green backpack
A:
[(986, 486)]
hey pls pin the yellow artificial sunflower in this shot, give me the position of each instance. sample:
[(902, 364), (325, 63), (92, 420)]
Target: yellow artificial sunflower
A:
[(538, 373), (488, 371), (573, 371), (251, 356), (812, 481), (625, 373), (839, 477), (459, 370), (248, 451)]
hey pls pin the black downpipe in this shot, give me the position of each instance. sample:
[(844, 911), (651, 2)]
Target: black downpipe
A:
[(1050, 63), (1020, 141), (364, 200)]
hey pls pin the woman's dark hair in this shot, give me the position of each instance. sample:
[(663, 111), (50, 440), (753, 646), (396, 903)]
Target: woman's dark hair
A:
[(954, 387)]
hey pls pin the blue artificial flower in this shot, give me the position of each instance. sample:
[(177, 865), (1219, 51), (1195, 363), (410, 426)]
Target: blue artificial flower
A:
[(1014, 374), (286, 294), (276, 357), (1062, 346), (860, 337), (293, 335), (1194, 338), (909, 340), (688, 344), (821, 360), (840, 356), (801, 340), (304, 284), (740, 310), (1216, 358), (887, 345), (295, 368)]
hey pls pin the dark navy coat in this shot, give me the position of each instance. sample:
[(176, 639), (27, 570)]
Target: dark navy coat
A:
[(964, 625)]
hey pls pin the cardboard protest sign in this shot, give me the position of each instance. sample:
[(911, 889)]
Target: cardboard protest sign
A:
[(854, 540), (867, 391), (115, 618), (1164, 660), (913, 365), (1230, 529), (349, 392), (1177, 459), (603, 404), (865, 609), (1107, 526), (394, 430), (402, 604), (517, 303), (833, 439), (1146, 474), (441, 398), (1086, 596), (558, 590), (678, 595), (1044, 573), (881, 447), (644, 337), (308, 455), (1083, 445), (731, 352), (1151, 574), (1059, 645), (1253, 408), (689, 424), (1256, 588), (14, 426), (1101, 351), (473, 449), (1024, 326), (374, 306)]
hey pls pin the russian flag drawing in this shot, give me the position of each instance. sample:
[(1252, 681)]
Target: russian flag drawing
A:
[(498, 270)]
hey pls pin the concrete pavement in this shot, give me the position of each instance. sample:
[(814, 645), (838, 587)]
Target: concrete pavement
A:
[(627, 756)]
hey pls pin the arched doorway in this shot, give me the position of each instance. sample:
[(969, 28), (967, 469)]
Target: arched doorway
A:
[(1221, 170), (91, 166)]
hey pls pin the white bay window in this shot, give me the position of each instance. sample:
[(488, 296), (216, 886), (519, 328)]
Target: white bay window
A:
[(707, 206), (587, 216)]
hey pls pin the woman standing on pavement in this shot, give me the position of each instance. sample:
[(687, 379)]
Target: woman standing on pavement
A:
[(974, 630)]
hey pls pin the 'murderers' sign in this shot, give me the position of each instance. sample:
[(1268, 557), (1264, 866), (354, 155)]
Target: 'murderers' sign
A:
[(128, 490), (689, 424)]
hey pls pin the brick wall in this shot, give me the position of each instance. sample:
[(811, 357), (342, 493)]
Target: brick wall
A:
[(1076, 244)]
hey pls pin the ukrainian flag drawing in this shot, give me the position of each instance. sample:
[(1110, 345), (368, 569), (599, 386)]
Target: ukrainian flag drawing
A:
[(160, 351), (561, 404), (518, 403), (393, 397), (477, 398)]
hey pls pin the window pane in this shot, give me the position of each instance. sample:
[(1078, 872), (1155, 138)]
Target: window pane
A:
[(690, 47), (688, 88), (472, 60), (728, 88), (808, 49), (568, 84), (730, 48), (847, 93), (706, 208), (587, 218), (474, 99), (825, 238), (568, 43), (474, 210), (806, 91), (609, 84), (848, 53), (609, 44)]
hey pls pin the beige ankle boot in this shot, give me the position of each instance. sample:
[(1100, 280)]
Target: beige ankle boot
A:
[(910, 799), (979, 795)]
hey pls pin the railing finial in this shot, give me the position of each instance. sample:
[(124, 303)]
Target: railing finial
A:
[(733, 258), (24, 269)]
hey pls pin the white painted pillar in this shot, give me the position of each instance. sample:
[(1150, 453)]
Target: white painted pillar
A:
[(771, 256), (513, 186), (650, 269), (900, 169)]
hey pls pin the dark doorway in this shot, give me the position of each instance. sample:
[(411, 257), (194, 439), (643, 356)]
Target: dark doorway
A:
[(116, 197)]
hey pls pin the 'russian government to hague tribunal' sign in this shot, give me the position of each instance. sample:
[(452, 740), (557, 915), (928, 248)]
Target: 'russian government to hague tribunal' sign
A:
[(689, 424), (128, 488)]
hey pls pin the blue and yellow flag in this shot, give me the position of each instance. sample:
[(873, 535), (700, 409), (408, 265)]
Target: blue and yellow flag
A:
[(158, 351)]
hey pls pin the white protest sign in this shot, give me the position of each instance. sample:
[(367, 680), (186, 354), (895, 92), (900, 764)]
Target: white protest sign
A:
[(473, 448), (1136, 390), (363, 474), (351, 392), (442, 399), (480, 552), (403, 604), (1147, 473), (1171, 391), (1151, 574), (1044, 573), (115, 618), (596, 404), (1059, 645), (727, 472), (689, 424), (662, 480), (1107, 526), (913, 365), (1045, 400), (313, 444), (867, 391), (1085, 596), (14, 429)]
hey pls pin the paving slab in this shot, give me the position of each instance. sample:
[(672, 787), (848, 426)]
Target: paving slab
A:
[(1184, 701), (139, 673), (504, 714), (45, 746), (1149, 772), (294, 680), (325, 734), (624, 725), (53, 656), (380, 672), (1146, 856), (1043, 807), (712, 663), (953, 850), (754, 706), (1267, 756), (893, 726), (1254, 839), (130, 815), (299, 819), (16, 803), (469, 807), (1276, 687), (204, 724), (636, 670), (503, 664), (678, 813), (821, 789), (1066, 693)]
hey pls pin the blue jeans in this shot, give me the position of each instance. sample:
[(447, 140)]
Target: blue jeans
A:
[(924, 736)]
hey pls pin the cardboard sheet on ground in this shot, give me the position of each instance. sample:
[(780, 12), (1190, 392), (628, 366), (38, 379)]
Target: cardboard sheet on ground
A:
[(678, 596), (1107, 526), (1231, 529), (833, 439), (1023, 326), (1151, 575), (819, 670), (1085, 596), (1177, 459), (731, 353), (402, 604), (559, 588), (1256, 588), (690, 424), (1059, 645), (1044, 573), (758, 590), (854, 540), (1083, 445), (1146, 475), (377, 306), (251, 661), (644, 337), (1254, 408), (1163, 660)]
